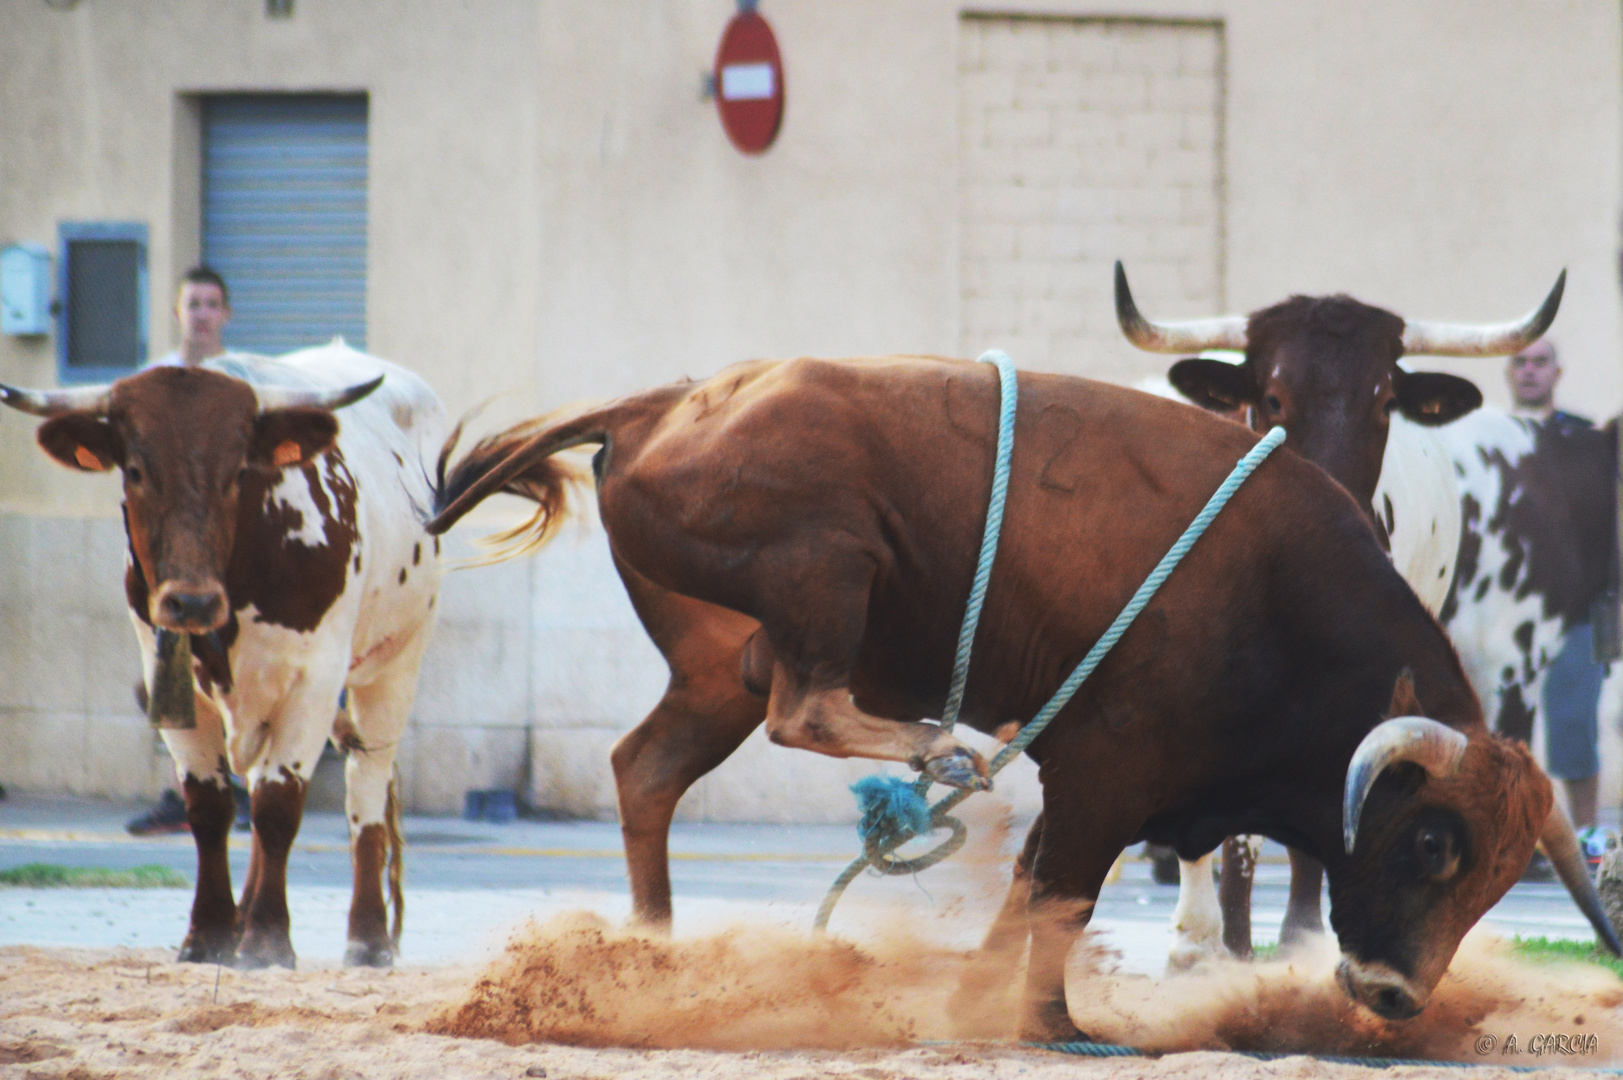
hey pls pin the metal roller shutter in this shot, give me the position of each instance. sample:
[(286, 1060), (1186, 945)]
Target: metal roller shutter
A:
[(284, 216)]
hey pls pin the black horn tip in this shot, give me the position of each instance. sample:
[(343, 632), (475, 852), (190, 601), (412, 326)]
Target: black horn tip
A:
[(356, 393), (1552, 304), (1126, 311)]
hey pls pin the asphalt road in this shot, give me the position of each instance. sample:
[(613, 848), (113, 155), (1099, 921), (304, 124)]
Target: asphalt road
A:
[(468, 883)]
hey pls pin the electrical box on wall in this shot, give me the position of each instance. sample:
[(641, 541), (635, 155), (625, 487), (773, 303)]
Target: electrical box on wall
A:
[(25, 289)]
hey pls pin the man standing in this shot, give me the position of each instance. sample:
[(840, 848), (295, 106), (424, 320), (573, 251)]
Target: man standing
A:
[(1573, 682), (203, 306)]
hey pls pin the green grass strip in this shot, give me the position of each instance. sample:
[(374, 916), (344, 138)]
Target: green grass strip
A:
[(1544, 949), (53, 876)]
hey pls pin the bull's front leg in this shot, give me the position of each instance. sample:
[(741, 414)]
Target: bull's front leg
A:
[(1304, 919), (205, 781), (371, 804), (277, 782), (276, 807), (976, 1006)]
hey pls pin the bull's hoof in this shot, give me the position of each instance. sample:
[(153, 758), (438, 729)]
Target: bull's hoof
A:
[(1186, 954), (266, 950), (1296, 934), (1051, 1026), (208, 949), (369, 954), (960, 767)]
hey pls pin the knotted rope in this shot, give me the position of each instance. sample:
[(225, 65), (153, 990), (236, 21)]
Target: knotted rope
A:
[(893, 810)]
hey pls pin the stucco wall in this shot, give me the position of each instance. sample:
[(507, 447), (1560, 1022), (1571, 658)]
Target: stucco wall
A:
[(555, 214)]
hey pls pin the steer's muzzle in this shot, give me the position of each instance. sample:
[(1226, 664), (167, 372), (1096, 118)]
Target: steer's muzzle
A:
[(1380, 989), (189, 608)]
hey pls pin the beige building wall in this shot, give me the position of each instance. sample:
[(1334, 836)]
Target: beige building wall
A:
[(555, 213), (1084, 141)]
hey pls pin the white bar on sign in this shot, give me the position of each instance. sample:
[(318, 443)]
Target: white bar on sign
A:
[(746, 82)]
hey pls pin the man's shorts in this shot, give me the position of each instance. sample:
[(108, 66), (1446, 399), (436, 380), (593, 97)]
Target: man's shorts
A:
[(1571, 698)]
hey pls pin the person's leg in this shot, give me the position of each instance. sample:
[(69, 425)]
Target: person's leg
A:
[(1572, 688)]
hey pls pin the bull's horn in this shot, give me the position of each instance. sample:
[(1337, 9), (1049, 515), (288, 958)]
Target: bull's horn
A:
[(56, 402), (1561, 846), (1435, 747), (281, 397), (1493, 339), (1188, 336)]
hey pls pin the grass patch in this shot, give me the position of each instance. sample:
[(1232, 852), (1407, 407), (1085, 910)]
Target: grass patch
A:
[(53, 876), (1536, 949), (1582, 952)]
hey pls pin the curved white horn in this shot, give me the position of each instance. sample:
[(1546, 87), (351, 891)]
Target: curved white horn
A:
[(1188, 336), (281, 397), (47, 403), (1435, 747), (1491, 339)]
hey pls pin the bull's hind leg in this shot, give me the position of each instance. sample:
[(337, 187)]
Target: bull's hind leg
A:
[(1234, 892), (690, 732), (379, 709), (205, 780), (706, 713)]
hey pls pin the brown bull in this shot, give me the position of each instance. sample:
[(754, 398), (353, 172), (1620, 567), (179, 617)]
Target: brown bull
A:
[(837, 505), (1326, 368)]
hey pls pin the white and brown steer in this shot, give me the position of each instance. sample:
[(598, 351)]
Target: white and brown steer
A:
[(290, 552)]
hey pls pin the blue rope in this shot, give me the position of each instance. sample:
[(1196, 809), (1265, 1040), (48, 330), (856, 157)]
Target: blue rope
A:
[(1009, 391), (883, 838), (1090, 1049)]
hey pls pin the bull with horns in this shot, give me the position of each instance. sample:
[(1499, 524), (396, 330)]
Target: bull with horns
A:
[(1327, 369), (276, 558)]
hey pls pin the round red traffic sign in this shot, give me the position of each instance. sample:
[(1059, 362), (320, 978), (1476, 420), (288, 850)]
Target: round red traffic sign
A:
[(749, 82)]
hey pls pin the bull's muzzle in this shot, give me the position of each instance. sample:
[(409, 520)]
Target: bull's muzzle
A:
[(189, 608), (1380, 989)]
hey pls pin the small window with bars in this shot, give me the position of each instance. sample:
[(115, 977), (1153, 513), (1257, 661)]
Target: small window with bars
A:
[(102, 293)]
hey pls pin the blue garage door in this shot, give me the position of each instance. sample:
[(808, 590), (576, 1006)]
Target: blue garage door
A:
[(284, 216)]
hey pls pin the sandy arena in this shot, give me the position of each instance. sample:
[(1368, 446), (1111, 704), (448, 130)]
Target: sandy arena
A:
[(576, 998)]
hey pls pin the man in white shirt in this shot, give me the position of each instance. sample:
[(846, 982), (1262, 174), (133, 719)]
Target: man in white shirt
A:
[(203, 306)]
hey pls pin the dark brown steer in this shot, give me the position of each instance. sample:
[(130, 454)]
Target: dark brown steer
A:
[(1326, 368), (837, 505)]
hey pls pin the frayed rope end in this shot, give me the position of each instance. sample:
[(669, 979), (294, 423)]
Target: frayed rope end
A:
[(891, 807)]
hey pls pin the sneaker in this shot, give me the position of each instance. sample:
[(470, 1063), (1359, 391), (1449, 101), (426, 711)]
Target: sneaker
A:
[(1594, 841), (169, 816)]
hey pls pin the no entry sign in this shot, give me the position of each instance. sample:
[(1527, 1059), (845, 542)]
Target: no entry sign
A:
[(749, 81)]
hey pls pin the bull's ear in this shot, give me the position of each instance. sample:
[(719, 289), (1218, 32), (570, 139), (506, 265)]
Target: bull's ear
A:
[(284, 437), (1213, 384), (1404, 701), (1432, 398), (82, 440)]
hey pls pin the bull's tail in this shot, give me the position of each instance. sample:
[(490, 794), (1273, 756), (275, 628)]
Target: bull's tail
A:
[(519, 461), (397, 852)]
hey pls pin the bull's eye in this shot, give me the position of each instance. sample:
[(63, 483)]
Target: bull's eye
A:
[(1434, 851), (1273, 403), (132, 474)]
